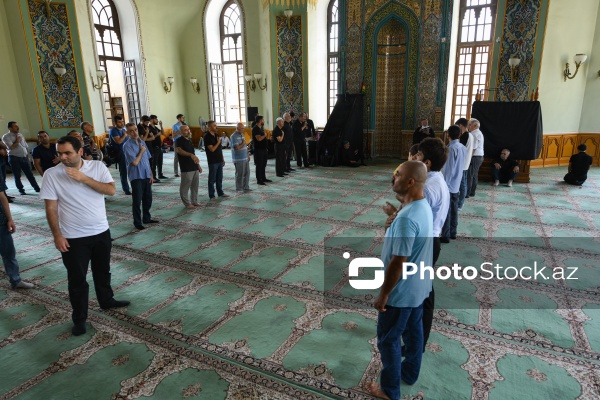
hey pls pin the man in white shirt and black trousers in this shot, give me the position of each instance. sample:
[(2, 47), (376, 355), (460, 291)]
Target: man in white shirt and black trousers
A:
[(80, 228)]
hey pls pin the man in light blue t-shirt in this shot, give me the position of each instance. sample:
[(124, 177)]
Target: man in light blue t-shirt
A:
[(240, 159), (400, 301)]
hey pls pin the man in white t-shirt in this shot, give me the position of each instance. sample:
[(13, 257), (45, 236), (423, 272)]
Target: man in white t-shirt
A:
[(476, 159), (73, 192)]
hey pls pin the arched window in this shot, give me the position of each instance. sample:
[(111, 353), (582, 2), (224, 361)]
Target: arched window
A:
[(473, 57), (111, 59), (229, 90), (333, 55)]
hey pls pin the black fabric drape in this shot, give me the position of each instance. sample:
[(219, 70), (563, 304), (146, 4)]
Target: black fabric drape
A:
[(516, 126)]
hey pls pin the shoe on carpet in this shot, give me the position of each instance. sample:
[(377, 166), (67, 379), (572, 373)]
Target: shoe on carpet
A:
[(10, 200), (128, 194), (291, 169), (444, 240), (23, 285), (22, 192), (115, 304), (453, 237), (139, 227), (281, 176), (261, 183), (247, 190), (162, 177), (176, 175), (152, 221), (156, 180), (224, 195), (268, 180), (78, 329), (213, 199)]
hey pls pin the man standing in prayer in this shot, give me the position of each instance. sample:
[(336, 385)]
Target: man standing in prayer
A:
[(18, 157), (400, 301), (137, 157), (240, 159), (190, 169), (80, 228), (44, 154)]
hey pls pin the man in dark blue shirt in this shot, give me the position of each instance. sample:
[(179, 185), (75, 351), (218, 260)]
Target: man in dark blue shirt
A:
[(118, 136), (216, 162), (44, 154), (579, 164)]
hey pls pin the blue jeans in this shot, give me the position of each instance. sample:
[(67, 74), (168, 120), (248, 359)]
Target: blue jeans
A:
[(123, 173), (393, 324), (463, 188), (19, 164), (8, 253), (141, 190), (215, 175), (451, 224)]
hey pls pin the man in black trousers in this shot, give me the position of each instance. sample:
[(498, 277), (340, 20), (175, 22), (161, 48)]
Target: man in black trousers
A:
[(259, 139), (288, 141), (300, 132)]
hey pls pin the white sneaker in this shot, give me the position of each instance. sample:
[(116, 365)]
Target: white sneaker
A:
[(509, 184), (24, 285)]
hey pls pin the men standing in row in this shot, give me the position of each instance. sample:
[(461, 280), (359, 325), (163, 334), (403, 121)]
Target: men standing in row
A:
[(80, 228), (44, 154), (240, 159), (579, 165), (477, 157), (190, 168), (7, 245), (300, 131), (504, 169), (400, 301), (18, 153), (157, 154), (118, 136), (288, 140), (453, 172), (216, 162), (422, 132), (259, 139), (137, 157), (466, 139), (278, 137), (176, 127)]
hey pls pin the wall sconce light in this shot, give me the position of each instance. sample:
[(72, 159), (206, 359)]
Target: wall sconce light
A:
[(514, 62), (579, 59), (258, 77), (290, 75), (60, 72), (100, 74), (254, 81), (195, 84), (170, 87), (288, 14)]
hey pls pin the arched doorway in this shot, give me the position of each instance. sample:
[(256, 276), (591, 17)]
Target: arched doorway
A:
[(390, 86)]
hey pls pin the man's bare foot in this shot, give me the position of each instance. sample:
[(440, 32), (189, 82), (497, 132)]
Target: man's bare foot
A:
[(375, 390)]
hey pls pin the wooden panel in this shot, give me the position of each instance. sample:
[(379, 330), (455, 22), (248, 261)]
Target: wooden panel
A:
[(567, 149), (552, 150), (592, 142)]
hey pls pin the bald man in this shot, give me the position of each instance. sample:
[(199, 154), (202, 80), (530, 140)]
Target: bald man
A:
[(400, 301)]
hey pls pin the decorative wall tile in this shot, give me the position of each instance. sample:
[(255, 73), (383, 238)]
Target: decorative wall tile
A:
[(54, 47), (429, 67), (519, 34), (289, 58)]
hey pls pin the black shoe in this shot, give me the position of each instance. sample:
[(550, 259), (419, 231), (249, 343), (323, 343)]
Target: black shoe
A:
[(128, 194), (453, 237), (22, 192), (10, 200), (37, 190), (152, 221), (268, 180), (79, 329), (444, 240), (176, 175), (261, 183), (156, 180), (281, 176), (114, 304), (291, 169), (10, 197), (139, 227), (162, 177)]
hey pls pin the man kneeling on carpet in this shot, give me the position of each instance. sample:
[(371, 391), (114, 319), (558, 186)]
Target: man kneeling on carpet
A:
[(504, 169), (400, 301), (80, 228), (579, 165)]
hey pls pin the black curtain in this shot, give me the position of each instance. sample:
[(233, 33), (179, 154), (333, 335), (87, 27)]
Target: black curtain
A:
[(516, 126)]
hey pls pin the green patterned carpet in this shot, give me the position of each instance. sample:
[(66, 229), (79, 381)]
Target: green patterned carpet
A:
[(227, 300)]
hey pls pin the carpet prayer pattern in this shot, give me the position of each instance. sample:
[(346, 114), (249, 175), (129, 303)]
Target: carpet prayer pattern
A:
[(230, 300)]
